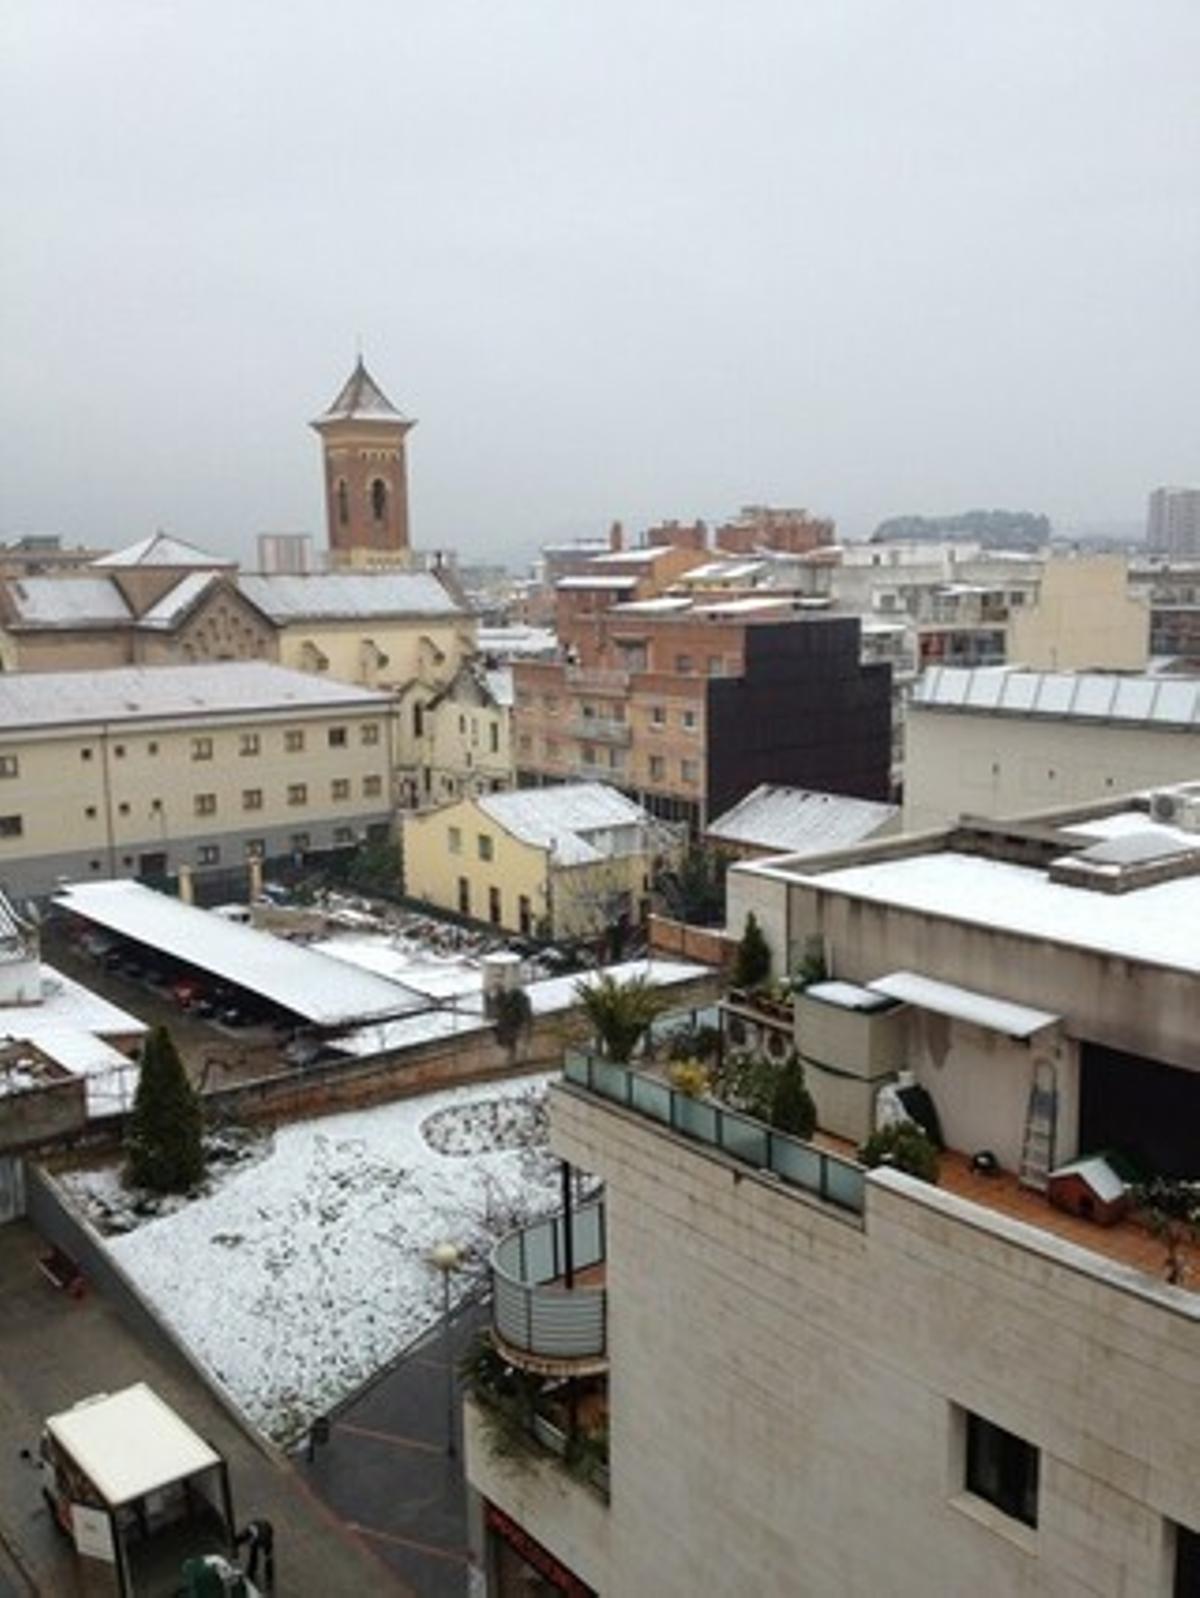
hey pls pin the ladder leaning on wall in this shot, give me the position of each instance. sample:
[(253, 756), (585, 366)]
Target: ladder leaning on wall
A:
[(1041, 1125)]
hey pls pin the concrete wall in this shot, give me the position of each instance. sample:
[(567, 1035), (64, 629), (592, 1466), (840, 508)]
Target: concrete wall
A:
[(957, 763), (1083, 619), (788, 1391), (429, 647)]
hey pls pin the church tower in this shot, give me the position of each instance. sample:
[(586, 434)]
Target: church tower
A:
[(366, 475)]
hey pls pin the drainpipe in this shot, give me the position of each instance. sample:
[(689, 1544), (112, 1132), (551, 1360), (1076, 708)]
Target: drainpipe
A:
[(106, 781), (568, 1228)]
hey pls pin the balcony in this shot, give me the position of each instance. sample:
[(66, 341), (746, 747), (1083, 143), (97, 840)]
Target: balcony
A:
[(834, 1178), (598, 680), (600, 729), (538, 1323)]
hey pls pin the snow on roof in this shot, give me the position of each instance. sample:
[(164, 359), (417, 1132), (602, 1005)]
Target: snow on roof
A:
[(322, 990), (1132, 823), (337, 596), (499, 680), (744, 607), (111, 1076), (60, 698), (962, 1004), (848, 996), (66, 602), (651, 607), (177, 601), (1155, 924), (634, 557), (799, 821), (1093, 696), (68, 1005), (1097, 1173), (560, 818), (360, 399), (130, 1443), (600, 581), (722, 571), (163, 550), (511, 641)]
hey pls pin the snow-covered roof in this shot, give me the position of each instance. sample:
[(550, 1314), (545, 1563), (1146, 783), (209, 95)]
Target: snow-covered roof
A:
[(560, 818), (616, 584), (723, 571), (748, 605), (130, 1443), (963, 1004), (337, 596), (72, 601), (1092, 696), (518, 640), (499, 680), (799, 821), (167, 612), (324, 991), (659, 606), (1155, 924), (163, 550), (61, 698), (111, 1078), (1097, 1173), (634, 557), (67, 1005), (360, 399)]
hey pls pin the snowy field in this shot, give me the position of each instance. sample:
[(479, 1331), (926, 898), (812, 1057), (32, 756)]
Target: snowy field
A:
[(304, 1270)]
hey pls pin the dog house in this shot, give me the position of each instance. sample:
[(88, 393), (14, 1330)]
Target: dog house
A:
[(1089, 1188), (136, 1490)]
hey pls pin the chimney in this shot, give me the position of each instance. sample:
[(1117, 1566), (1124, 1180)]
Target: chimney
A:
[(616, 537)]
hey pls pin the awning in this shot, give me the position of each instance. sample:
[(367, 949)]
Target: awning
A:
[(962, 1004), (130, 1443)]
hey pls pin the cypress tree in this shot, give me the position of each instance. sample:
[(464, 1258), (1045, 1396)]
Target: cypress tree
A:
[(753, 963), (164, 1142)]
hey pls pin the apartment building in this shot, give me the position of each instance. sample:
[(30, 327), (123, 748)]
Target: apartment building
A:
[(568, 863), (137, 772), (752, 1366), (1173, 522), (1000, 742), (686, 706), (456, 739)]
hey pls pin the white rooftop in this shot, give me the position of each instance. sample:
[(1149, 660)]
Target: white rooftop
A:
[(635, 557), (964, 1004), (166, 612), (518, 640), (163, 550), (322, 990), (339, 596), (1155, 924), (617, 584), (800, 821), (61, 698), (130, 1443), (651, 607), (561, 818), (69, 601), (67, 1005), (1092, 696)]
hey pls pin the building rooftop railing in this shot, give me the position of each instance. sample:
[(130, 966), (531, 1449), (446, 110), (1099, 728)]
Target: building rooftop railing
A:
[(831, 1177)]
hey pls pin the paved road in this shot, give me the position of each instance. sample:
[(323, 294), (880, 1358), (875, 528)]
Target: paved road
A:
[(54, 1351), (387, 1473)]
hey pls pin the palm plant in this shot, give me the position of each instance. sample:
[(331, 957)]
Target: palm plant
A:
[(621, 1013)]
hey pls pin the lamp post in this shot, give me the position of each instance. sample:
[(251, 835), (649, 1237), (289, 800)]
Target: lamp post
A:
[(447, 1258)]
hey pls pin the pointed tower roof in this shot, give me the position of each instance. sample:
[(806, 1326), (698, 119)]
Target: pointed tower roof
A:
[(362, 400)]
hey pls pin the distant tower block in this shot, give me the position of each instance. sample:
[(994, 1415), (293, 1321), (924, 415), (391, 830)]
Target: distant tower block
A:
[(366, 473)]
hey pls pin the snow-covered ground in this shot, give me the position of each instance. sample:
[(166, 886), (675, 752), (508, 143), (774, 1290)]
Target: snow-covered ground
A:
[(303, 1271)]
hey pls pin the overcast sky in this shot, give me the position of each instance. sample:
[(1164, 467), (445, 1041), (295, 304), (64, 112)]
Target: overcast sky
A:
[(621, 258)]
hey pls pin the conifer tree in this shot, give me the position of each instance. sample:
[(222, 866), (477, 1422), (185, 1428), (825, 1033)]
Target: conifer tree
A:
[(164, 1142), (753, 964)]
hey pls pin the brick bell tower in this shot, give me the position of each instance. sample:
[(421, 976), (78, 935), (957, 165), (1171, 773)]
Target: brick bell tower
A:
[(366, 474)]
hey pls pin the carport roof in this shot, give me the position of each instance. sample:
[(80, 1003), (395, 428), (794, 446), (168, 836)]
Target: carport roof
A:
[(962, 1004), (314, 986), (130, 1443)]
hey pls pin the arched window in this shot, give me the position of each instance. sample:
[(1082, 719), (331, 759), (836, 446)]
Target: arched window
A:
[(343, 502), (379, 499)]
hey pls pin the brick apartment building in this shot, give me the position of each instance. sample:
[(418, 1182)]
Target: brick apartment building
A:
[(686, 707)]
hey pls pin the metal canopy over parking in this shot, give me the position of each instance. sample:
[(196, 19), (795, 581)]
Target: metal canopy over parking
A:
[(316, 987), (962, 1004)]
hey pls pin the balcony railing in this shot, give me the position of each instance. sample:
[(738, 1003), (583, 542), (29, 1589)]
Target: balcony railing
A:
[(533, 1312), (603, 729), (829, 1176), (598, 679)]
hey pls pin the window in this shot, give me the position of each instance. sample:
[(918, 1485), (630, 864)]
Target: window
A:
[(494, 739), (715, 665), (1003, 1469), (339, 788), (252, 798), (343, 502), (256, 848), (689, 720), (657, 766), (205, 804), (372, 787), (369, 732), (343, 836), (494, 913), (464, 897), (299, 842), (337, 737), (683, 663), (1187, 1563), (658, 716), (202, 748), (379, 499), (550, 702), (248, 743), (293, 741), (297, 793), (689, 770), (11, 826), (208, 854), (454, 839), (485, 846), (418, 721), (525, 916)]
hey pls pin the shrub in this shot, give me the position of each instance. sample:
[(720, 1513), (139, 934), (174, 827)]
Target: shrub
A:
[(513, 1017), (1171, 1210), (689, 1076), (164, 1144), (904, 1146), (621, 1013), (792, 1106), (753, 964)]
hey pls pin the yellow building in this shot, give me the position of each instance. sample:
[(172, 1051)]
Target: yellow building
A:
[(562, 863), (137, 772), (1083, 619), (457, 739)]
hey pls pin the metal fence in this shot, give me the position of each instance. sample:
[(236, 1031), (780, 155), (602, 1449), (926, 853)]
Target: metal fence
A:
[(531, 1308), (830, 1177)]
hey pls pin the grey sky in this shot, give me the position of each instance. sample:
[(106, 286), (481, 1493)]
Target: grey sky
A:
[(625, 259)]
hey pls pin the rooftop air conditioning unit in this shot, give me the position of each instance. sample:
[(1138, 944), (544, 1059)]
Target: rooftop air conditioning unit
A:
[(1177, 807)]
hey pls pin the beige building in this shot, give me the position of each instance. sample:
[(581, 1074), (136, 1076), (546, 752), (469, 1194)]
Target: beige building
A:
[(563, 863), (802, 1377), (1001, 742), (133, 772), (1083, 618), (456, 739)]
